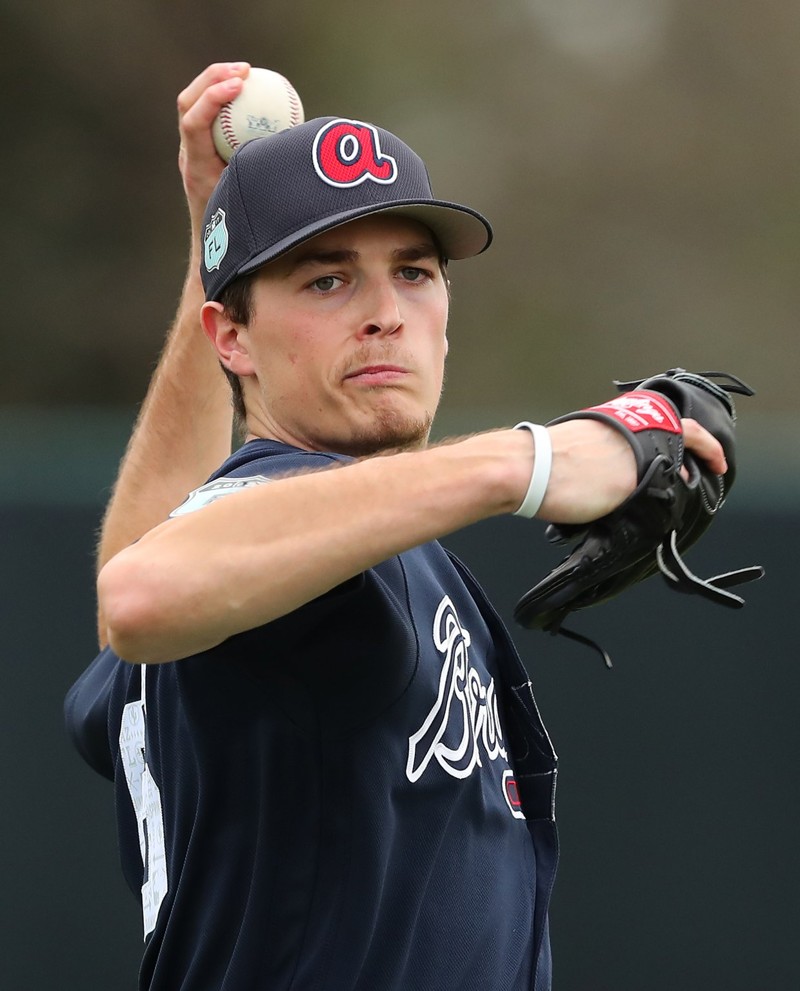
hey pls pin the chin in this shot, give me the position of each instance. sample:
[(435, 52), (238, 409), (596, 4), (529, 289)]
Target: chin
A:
[(390, 431)]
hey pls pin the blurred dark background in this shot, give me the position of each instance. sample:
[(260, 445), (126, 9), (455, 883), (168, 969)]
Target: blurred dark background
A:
[(638, 159)]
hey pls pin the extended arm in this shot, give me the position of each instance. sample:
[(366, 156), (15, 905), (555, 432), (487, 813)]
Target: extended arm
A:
[(256, 555)]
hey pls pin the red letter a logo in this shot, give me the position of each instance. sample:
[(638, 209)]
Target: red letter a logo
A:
[(346, 152)]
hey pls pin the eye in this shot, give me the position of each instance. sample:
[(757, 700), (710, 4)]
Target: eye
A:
[(412, 274), (326, 283)]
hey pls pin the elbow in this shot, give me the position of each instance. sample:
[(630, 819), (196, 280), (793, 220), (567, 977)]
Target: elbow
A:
[(133, 611)]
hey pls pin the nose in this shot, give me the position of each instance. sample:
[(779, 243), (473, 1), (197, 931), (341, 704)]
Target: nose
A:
[(381, 313)]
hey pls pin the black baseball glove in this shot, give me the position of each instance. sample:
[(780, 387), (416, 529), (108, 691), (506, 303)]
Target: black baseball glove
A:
[(665, 514)]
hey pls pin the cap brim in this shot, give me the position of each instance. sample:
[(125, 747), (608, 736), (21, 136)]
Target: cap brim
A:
[(461, 232)]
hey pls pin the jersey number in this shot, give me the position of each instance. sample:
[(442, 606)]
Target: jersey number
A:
[(146, 799)]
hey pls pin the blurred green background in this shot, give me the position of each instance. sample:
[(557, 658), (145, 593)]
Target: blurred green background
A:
[(638, 160)]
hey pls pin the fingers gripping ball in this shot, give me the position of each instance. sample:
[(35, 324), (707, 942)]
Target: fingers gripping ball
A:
[(669, 510), (267, 103)]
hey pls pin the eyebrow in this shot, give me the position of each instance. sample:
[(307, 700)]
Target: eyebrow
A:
[(340, 256)]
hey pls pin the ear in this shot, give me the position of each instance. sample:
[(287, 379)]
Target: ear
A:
[(230, 340)]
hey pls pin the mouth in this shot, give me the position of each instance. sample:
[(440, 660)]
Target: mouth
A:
[(375, 375)]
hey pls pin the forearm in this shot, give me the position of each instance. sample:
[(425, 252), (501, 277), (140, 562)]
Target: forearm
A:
[(257, 555), (182, 433)]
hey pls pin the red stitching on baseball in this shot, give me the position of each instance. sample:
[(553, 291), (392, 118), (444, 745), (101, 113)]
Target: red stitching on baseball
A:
[(295, 113), (226, 125)]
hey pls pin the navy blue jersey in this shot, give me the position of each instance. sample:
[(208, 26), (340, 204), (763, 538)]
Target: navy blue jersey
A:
[(358, 795)]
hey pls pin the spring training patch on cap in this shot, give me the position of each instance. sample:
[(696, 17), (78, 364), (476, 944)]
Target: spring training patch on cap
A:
[(215, 241), (348, 152)]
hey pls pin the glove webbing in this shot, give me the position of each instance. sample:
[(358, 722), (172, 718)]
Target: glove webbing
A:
[(678, 575)]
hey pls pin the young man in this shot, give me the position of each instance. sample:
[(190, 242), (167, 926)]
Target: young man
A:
[(329, 767)]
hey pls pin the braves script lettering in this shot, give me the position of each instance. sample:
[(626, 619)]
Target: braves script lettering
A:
[(464, 722)]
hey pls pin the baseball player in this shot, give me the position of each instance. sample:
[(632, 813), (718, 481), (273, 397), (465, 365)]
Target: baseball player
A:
[(329, 768)]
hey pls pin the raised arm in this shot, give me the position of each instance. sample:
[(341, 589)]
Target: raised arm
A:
[(184, 427)]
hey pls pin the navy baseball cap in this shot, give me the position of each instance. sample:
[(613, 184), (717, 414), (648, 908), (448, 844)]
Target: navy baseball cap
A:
[(283, 189)]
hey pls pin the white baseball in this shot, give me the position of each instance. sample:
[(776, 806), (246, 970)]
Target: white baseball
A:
[(266, 104)]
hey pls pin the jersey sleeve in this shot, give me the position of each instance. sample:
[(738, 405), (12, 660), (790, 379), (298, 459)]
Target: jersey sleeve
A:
[(86, 712), (236, 476), (265, 463), (91, 698)]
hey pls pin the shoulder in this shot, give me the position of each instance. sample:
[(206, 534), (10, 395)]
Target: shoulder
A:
[(255, 463)]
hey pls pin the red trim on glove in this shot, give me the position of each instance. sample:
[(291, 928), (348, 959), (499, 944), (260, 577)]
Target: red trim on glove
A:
[(642, 410)]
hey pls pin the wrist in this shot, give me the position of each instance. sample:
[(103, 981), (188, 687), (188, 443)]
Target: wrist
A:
[(511, 454), (542, 465)]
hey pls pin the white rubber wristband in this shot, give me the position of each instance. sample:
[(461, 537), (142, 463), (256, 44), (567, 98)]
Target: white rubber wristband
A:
[(542, 463)]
